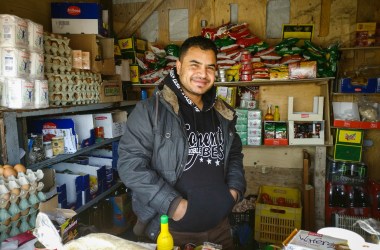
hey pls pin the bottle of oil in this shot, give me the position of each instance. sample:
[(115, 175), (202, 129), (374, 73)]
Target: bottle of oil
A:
[(269, 116), (165, 239), (276, 114)]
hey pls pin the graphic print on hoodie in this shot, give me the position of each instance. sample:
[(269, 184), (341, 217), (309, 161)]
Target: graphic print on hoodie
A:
[(202, 183)]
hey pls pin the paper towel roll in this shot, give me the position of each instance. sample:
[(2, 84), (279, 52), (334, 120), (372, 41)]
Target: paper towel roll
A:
[(125, 73)]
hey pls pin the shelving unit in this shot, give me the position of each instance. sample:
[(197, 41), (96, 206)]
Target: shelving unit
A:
[(353, 58), (13, 133), (13, 126)]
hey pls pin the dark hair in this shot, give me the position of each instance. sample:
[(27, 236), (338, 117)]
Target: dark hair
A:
[(197, 41)]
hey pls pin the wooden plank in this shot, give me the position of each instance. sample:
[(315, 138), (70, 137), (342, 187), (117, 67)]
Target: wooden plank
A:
[(4, 157), (319, 184), (324, 22), (138, 19), (280, 166)]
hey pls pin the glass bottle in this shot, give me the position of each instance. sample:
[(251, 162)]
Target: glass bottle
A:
[(269, 116), (276, 114), (165, 239)]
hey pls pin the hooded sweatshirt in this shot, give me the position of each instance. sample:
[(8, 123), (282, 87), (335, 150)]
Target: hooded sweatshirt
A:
[(202, 182)]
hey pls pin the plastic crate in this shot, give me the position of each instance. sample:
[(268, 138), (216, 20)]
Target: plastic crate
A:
[(243, 217), (273, 222), (347, 222)]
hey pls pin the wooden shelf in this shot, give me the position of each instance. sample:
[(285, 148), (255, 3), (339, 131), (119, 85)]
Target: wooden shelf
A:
[(361, 48), (356, 93), (258, 82), (66, 109), (275, 82)]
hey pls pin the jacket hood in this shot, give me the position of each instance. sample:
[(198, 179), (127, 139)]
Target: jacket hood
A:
[(173, 82), (170, 96)]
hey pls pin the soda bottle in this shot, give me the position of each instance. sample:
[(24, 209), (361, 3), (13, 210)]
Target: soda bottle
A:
[(165, 239)]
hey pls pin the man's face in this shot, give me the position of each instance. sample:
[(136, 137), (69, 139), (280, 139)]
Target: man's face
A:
[(196, 71)]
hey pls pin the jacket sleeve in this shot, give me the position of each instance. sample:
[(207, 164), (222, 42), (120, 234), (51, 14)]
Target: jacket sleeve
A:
[(235, 172), (134, 164)]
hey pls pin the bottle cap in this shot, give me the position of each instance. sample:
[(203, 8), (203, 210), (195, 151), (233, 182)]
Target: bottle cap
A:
[(164, 219)]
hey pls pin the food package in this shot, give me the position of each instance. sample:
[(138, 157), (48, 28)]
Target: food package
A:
[(303, 70)]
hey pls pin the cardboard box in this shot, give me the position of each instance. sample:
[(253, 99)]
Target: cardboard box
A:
[(348, 85), (123, 215), (68, 230), (133, 44), (97, 175), (317, 132), (83, 125), (76, 18), (305, 240), (316, 115), (342, 109), (114, 123), (228, 94), (77, 189), (91, 42), (111, 89), (348, 145)]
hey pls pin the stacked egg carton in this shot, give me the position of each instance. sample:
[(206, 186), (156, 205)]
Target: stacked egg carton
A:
[(22, 64), (67, 86), (20, 196)]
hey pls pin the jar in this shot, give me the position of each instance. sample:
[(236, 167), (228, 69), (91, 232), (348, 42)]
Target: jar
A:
[(48, 148), (58, 145)]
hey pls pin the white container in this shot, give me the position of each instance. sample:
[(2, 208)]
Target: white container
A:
[(20, 93), (37, 65), (3, 92), (15, 32), (15, 62), (41, 94), (35, 36)]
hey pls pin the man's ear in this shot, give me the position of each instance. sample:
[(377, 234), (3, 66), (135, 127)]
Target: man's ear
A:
[(178, 65)]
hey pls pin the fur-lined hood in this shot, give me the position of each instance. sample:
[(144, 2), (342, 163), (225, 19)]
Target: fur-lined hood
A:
[(220, 106)]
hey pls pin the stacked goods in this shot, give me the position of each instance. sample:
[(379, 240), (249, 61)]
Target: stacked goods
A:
[(22, 64), (366, 35), (232, 40), (20, 196), (65, 69)]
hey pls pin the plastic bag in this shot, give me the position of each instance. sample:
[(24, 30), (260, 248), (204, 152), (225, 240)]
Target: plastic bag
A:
[(372, 227)]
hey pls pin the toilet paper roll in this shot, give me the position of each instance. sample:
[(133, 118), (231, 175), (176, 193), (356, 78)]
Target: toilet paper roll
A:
[(125, 73)]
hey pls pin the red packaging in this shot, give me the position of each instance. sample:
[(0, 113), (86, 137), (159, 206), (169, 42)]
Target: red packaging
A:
[(246, 77), (246, 66), (245, 56)]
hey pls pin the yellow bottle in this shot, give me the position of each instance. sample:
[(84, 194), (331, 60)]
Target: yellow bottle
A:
[(276, 114), (165, 239)]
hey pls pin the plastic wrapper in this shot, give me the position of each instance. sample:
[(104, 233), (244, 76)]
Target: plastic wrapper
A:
[(257, 47), (46, 233), (172, 50), (248, 41), (287, 42), (368, 110), (372, 227), (224, 42)]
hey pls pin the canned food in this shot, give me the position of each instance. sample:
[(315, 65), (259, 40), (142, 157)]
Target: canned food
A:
[(246, 66), (58, 145), (245, 56), (246, 77), (99, 132)]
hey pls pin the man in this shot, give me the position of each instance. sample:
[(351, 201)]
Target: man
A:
[(181, 155)]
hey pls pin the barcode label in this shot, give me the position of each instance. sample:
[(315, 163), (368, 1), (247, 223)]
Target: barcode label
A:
[(7, 36), (63, 23), (8, 68)]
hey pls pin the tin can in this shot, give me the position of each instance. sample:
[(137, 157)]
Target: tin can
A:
[(99, 132), (246, 66), (245, 56), (246, 77), (58, 145)]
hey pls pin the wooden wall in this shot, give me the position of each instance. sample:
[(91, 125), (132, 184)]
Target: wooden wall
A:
[(343, 16)]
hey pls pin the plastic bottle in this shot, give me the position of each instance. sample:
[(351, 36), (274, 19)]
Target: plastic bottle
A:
[(269, 116), (165, 239), (276, 114)]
